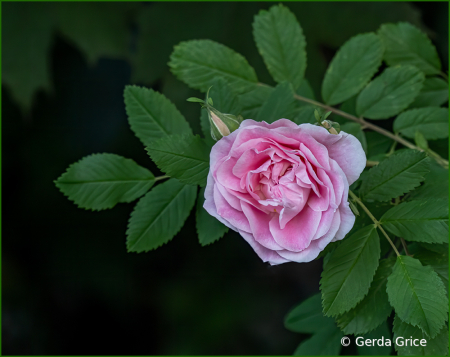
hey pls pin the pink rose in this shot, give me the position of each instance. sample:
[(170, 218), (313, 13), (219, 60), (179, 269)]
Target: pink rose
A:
[(284, 187)]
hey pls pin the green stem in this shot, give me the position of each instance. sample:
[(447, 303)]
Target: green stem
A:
[(405, 247), (161, 177), (364, 123), (443, 75), (377, 223)]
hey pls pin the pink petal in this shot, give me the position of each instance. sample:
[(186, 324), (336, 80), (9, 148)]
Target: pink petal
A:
[(234, 217), (265, 254)]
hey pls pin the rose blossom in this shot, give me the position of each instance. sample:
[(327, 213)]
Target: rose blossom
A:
[(284, 187)]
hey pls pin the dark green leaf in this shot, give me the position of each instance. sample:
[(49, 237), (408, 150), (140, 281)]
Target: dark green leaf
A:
[(437, 260), (418, 295), (437, 248), (374, 309), (406, 44), (100, 181), (209, 229), (377, 144), (281, 43), (280, 104), (306, 91), (433, 94), (355, 130), (382, 331), (435, 184), (308, 317), (352, 68), (253, 100), (324, 343), (184, 157), (390, 93), (159, 215), (432, 122), (347, 276), (26, 40), (395, 176), (151, 115), (419, 221), (437, 346), (305, 115), (199, 62)]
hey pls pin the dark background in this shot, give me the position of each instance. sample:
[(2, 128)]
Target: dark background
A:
[(68, 284)]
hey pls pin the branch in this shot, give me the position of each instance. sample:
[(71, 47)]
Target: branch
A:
[(356, 198)]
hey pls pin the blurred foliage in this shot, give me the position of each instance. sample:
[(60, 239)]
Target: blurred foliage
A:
[(69, 287)]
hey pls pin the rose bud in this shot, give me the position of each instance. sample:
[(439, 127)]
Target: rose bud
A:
[(284, 187), (222, 124)]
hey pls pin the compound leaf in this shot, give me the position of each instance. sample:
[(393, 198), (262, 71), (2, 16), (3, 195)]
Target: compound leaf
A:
[(280, 104), (432, 122), (433, 94)]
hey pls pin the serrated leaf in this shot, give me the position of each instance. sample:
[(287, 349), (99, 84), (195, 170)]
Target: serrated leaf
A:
[(406, 44), (280, 104), (418, 295), (432, 122), (437, 346), (209, 229), (305, 114), (383, 331), (199, 62), (374, 309), (355, 130), (390, 93), (159, 215), (281, 43), (253, 100), (100, 181), (151, 115), (438, 261), (308, 317), (437, 248), (352, 68), (395, 176), (184, 157), (324, 343), (433, 94), (435, 184), (419, 221), (347, 276)]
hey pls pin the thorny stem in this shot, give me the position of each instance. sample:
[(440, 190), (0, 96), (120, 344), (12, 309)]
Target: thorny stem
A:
[(161, 177), (365, 124), (356, 198)]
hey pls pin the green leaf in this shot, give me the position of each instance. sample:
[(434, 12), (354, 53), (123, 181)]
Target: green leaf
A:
[(100, 181), (253, 100), (377, 144), (184, 157), (438, 261), (390, 93), (281, 43), (352, 68), (433, 94), (432, 122), (199, 62), (209, 229), (406, 44), (306, 91), (374, 309), (437, 346), (151, 115), (437, 248), (98, 33), (280, 104), (355, 130), (305, 115), (418, 295), (307, 317), (159, 215), (435, 184), (382, 331), (324, 343), (419, 221), (347, 276), (27, 39), (395, 176)]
